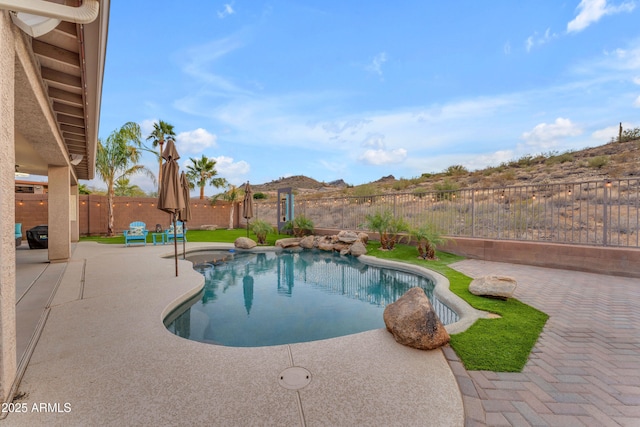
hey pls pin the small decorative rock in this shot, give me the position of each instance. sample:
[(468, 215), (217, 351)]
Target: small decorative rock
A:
[(288, 242), (414, 323), (208, 227), (244, 243), (493, 286)]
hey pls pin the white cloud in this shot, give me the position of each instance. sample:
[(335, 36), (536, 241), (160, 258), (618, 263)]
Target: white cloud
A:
[(546, 135), (539, 40), (507, 48), (195, 141), (590, 11), (382, 157), (636, 80), (234, 172), (374, 140), (376, 65), (636, 103), (226, 11), (146, 127)]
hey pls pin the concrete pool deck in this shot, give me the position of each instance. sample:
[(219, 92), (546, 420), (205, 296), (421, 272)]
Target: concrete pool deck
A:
[(104, 357), (95, 353)]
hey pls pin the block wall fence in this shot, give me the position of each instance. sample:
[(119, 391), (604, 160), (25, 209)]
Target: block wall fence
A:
[(32, 210)]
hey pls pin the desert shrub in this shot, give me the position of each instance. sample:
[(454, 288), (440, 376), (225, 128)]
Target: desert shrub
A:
[(387, 226), (446, 189), (364, 190), (455, 170), (598, 162), (302, 226), (427, 237), (559, 158), (259, 196), (261, 229), (401, 184)]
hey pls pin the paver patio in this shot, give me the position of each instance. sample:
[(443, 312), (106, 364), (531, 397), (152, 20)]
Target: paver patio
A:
[(584, 369)]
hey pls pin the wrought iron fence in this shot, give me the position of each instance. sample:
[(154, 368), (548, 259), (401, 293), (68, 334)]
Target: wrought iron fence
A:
[(604, 212)]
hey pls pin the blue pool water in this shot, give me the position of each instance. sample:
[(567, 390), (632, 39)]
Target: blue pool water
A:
[(271, 298)]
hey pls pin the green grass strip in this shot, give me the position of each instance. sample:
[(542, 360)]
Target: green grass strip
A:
[(499, 345)]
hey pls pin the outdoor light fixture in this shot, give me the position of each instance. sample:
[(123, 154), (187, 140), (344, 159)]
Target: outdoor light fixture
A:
[(20, 174), (75, 159)]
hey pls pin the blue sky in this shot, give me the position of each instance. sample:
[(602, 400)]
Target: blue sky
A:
[(360, 90)]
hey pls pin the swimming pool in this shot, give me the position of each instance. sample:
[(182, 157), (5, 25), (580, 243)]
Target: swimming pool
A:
[(272, 298)]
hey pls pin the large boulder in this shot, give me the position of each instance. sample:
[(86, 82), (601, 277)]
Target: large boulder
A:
[(307, 242), (347, 237), (357, 249), (501, 287), (363, 237), (414, 323), (244, 243)]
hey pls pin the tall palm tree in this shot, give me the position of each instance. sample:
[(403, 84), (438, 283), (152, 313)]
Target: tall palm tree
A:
[(161, 132), (117, 158), (123, 187), (233, 195), (202, 172)]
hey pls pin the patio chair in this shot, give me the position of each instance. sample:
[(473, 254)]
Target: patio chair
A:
[(137, 233), (18, 233), (181, 232)]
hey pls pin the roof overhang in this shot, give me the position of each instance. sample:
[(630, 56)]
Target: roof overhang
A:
[(58, 92)]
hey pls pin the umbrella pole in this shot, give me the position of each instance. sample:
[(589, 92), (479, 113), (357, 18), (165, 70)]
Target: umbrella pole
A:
[(247, 227), (175, 243), (184, 238)]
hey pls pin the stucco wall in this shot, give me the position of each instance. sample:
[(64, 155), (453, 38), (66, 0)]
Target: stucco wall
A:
[(595, 259)]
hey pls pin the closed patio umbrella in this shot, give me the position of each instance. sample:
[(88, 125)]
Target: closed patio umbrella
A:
[(185, 214), (247, 205), (170, 197)]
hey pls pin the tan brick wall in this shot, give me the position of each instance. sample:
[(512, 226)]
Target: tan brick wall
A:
[(32, 210)]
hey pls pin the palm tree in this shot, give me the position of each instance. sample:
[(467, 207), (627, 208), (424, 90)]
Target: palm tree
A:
[(233, 194), (123, 187), (117, 158), (202, 172), (161, 131)]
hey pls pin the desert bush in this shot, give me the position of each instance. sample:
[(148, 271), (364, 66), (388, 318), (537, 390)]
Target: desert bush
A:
[(387, 226), (260, 196), (446, 189), (261, 229), (427, 237), (559, 158), (598, 162), (302, 226), (455, 170)]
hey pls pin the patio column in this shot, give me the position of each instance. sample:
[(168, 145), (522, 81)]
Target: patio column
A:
[(7, 209), (59, 218), (74, 212)]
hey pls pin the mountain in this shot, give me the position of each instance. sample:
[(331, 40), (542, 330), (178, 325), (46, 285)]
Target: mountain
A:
[(615, 160)]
